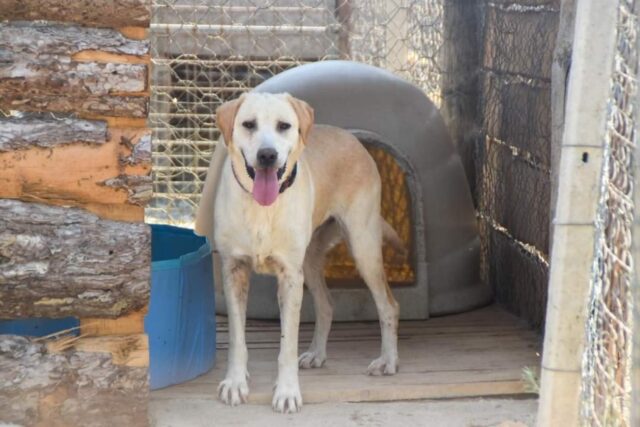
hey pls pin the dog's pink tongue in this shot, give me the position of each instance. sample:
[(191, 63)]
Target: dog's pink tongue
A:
[(265, 186)]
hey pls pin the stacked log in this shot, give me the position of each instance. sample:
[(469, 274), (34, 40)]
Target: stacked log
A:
[(75, 163)]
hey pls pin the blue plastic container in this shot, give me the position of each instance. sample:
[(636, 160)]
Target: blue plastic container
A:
[(181, 322)]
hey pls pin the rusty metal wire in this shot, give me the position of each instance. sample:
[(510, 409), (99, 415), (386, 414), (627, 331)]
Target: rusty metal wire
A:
[(607, 360)]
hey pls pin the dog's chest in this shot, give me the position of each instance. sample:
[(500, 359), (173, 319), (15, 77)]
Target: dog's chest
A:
[(266, 235)]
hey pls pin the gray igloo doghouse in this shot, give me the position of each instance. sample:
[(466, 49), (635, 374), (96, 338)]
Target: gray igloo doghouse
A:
[(405, 133)]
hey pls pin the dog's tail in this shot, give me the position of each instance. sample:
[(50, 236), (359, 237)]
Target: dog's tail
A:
[(390, 237)]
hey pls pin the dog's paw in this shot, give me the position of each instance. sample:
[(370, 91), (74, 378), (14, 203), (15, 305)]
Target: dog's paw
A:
[(383, 366), (312, 359), (233, 392), (287, 398)]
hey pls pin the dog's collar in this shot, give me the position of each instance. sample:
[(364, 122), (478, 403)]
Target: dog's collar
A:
[(285, 184), (290, 179)]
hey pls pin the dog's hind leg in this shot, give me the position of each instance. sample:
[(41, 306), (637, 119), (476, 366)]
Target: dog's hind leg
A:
[(323, 240), (234, 390), (364, 228)]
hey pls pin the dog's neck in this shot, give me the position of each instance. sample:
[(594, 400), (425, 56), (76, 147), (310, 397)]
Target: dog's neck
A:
[(290, 179), (288, 182)]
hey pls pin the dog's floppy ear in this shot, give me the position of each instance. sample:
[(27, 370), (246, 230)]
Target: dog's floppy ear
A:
[(305, 116), (226, 116)]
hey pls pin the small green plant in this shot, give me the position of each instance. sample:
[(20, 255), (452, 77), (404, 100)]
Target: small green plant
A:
[(531, 380)]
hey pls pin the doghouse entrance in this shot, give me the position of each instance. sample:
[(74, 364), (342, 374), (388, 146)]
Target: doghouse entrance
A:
[(340, 269)]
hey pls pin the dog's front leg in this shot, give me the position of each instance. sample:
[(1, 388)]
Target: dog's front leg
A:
[(233, 390), (287, 397)]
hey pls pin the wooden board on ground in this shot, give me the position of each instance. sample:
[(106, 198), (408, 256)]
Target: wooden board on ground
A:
[(481, 353)]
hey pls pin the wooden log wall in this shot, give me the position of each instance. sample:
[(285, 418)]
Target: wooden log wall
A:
[(75, 164), (46, 386)]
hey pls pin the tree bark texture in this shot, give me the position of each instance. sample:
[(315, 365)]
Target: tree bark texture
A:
[(38, 72), (69, 388), (47, 131), (139, 188), (95, 13), (57, 262), (68, 161)]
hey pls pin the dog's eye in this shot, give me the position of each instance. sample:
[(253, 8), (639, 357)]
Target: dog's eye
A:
[(282, 126), (249, 124)]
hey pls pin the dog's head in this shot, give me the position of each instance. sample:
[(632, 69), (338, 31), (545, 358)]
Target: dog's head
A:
[(265, 134)]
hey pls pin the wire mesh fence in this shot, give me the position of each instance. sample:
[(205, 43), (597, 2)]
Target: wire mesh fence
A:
[(513, 156), (205, 52), (607, 360)]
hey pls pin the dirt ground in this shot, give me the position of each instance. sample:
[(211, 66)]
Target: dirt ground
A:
[(432, 413)]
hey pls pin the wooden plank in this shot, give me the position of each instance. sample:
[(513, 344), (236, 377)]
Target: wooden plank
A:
[(420, 360), (108, 57), (44, 176), (131, 106), (57, 262), (118, 122), (265, 335), (440, 358), (47, 39), (381, 391), (135, 33), (46, 132), (490, 316), (92, 13), (68, 388), (38, 72), (132, 323)]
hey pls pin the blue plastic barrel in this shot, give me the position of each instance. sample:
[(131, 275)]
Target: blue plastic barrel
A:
[(181, 322)]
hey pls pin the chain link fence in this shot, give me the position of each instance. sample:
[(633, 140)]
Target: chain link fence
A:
[(205, 52), (607, 360)]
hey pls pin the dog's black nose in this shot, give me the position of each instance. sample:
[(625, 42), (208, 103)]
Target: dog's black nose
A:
[(267, 157)]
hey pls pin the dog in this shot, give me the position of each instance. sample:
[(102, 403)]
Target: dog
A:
[(289, 191)]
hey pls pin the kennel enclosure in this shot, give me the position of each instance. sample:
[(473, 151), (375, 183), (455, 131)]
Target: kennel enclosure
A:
[(489, 65)]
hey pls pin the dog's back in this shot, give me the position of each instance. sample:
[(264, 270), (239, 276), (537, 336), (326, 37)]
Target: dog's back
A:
[(341, 168)]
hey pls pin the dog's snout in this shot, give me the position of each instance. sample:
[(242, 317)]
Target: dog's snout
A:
[(267, 157)]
